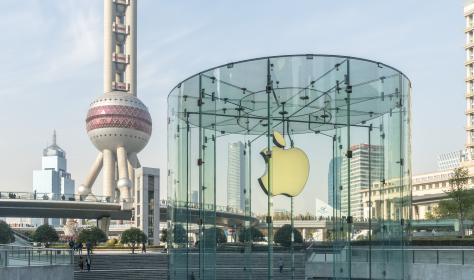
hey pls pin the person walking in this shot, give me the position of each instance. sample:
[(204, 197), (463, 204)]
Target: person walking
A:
[(280, 264), (88, 263), (89, 247), (81, 263), (143, 247), (71, 245), (79, 247)]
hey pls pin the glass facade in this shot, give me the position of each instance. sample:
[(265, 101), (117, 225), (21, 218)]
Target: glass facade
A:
[(352, 111)]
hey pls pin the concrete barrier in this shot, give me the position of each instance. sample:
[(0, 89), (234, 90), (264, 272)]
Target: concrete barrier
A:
[(63, 272)]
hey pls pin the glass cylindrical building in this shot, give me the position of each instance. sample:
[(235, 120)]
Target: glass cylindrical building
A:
[(252, 145)]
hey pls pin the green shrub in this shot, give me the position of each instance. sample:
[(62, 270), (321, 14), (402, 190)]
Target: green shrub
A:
[(283, 236), (45, 233), (6, 233)]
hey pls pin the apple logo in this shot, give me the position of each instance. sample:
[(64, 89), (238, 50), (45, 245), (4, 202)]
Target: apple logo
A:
[(289, 168)]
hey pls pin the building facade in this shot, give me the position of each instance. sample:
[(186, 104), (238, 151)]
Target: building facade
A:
[(451, 160), (427, 191), (52, 181), (147, 203), (360, 176), (334, 174), (469, 95), (236, 176)]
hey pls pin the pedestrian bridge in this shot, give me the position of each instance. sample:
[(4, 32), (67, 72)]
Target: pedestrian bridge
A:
[(46, 205)]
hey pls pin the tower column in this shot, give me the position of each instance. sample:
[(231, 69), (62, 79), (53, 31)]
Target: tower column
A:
[(124, 183), (108, 45), (131, 46), (85, 188), (108, 183), (131, 171)]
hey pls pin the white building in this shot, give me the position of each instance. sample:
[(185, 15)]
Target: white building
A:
[(427, 190), (52, 181), (236, 176), (359, 176), (469, 95), (194, 197), (449, 161), (147, 203)]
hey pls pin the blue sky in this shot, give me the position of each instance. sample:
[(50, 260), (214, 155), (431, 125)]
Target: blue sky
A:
[(51, 64)]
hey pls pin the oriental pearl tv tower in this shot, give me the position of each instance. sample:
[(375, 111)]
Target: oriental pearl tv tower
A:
[(118, 123)]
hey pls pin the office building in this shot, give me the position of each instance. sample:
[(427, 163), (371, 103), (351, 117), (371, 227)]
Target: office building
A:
[(52, 181), (147, 203), (333, 177), (469, 64), (449, 161), (359, 176), (236, 176)]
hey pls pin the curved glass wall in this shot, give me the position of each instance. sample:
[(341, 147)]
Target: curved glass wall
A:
[(260, 143)]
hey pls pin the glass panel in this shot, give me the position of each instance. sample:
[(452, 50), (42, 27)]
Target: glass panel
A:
[(348, 115)]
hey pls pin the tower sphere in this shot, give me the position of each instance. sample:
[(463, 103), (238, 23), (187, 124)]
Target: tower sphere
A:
[(117, 120)]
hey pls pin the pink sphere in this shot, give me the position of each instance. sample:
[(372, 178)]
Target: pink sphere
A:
[(118, 119)]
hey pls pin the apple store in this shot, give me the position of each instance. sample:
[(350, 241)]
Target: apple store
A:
[(256, 150)]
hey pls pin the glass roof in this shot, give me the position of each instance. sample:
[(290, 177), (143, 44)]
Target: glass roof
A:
[(306, 92)]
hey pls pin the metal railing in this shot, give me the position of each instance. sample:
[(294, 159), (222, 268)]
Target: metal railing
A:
[(206, 207), (12, 255), (457, 256), (108, 199), (55, 197)]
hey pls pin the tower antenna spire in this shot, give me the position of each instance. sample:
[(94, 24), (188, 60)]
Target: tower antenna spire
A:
[(54, 137)]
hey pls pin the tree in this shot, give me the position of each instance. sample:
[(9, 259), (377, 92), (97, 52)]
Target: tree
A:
[(460, 200), (133, 236), (216, 233), (6, 233), (255, 234), (45, 234), (283, 236), (164, 235), (94, 235)]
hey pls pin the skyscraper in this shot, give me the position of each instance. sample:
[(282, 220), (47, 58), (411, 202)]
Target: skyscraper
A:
[(469, 95), (359, 176), (334, 175), (236, 176), (53, 178)]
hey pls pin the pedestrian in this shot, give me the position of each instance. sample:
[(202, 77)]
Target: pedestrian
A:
[(88, 263), (89, 247), (79, 247), (143, 247), (71, 245), (280, 264), (81, 263)]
